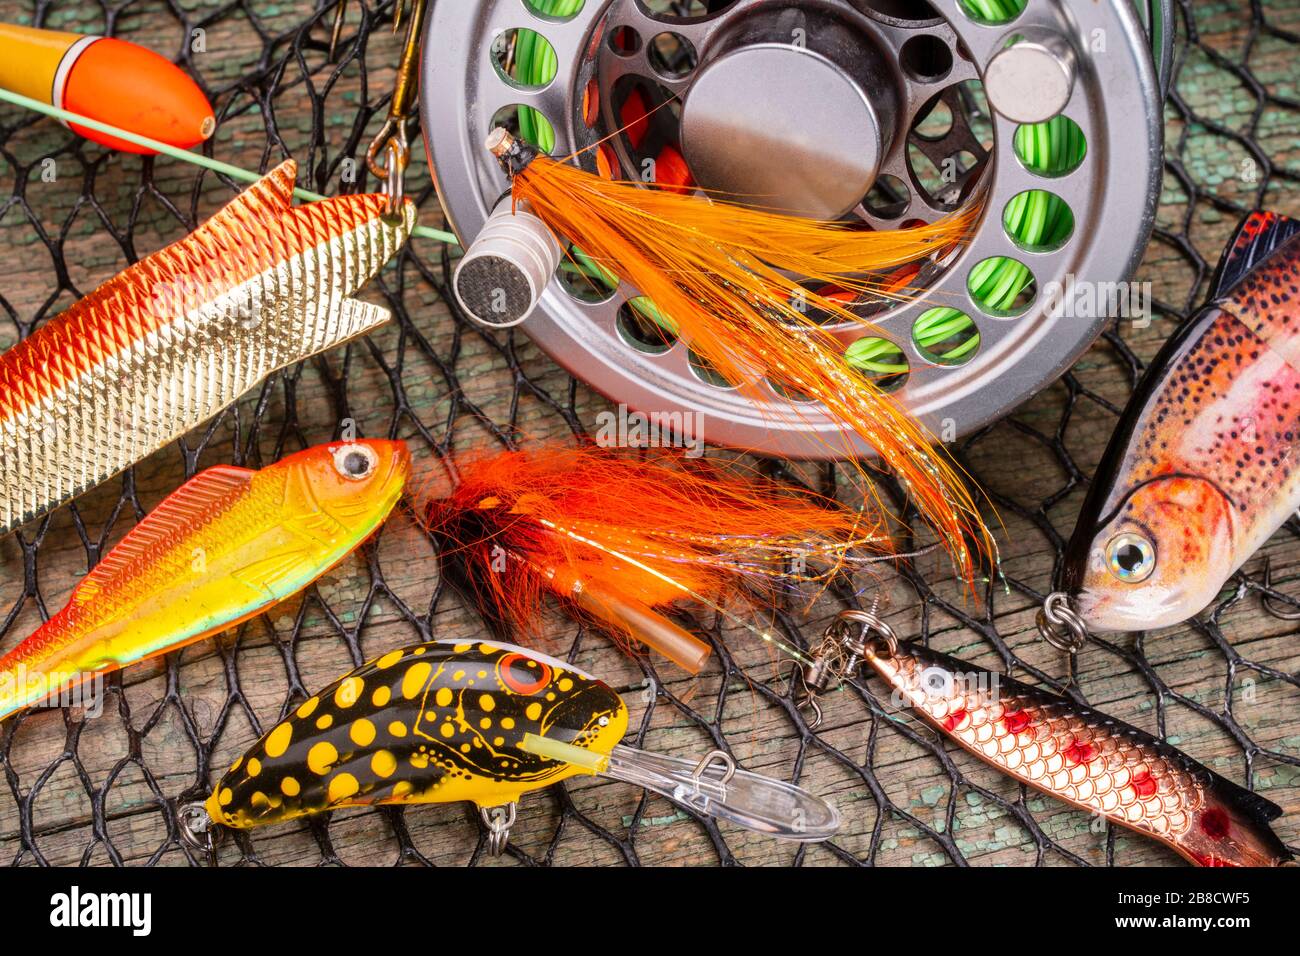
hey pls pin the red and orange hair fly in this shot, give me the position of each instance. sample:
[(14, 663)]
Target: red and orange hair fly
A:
[(619, 538), (720, 274)]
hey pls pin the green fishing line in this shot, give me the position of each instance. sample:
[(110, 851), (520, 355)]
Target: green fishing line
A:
[(1036, 219), (536, 65), (992, 11), (198, 159)]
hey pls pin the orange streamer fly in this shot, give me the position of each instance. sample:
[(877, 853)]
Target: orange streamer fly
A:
[(637, 533), (717, 271)]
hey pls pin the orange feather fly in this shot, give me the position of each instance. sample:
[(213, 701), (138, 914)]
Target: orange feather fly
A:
[(717, 271), (635, 532)]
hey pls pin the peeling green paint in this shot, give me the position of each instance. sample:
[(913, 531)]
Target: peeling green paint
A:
[(931, 796)]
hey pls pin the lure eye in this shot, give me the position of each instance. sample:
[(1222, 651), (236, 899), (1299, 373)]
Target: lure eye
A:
[(518, 676), (1130, 557), (355, 461)]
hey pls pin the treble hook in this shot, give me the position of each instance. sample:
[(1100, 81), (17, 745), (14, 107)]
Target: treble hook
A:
[(1267, 600), (805, 697), (840, 653)]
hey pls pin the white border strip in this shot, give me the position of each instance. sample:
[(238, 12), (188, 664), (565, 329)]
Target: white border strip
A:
[(70, 57)]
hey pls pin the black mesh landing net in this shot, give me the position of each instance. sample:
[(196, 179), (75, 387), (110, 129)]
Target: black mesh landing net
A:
[(95, 790)]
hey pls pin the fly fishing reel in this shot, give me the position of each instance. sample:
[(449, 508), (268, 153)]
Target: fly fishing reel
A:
[(883, 112)]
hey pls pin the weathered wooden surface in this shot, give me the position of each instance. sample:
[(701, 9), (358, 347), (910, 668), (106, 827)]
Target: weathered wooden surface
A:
[(227, 691)]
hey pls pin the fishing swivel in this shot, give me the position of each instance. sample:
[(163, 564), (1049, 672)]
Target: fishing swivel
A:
[(1060, 625), (839, 654)]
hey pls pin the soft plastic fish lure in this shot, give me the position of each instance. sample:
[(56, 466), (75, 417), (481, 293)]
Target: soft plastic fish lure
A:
[(1076, 754), (227, 545), (175, 338), (615, 535), (486, 722)]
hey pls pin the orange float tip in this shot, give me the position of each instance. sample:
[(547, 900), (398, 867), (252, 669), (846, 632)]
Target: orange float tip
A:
[(113, 81)]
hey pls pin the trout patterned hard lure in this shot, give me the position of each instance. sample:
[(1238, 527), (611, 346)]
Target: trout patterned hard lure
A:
[(486, 722), (226, 546), (1203, 466), (175, 338), (1085, 758), (615, 536)]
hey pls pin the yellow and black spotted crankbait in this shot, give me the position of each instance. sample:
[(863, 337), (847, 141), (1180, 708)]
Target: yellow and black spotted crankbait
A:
[(481, 721), (433, 723)]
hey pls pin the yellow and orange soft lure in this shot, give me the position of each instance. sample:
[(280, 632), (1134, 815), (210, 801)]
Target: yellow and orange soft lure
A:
[(718, 272), (616, 536), (225, 546)]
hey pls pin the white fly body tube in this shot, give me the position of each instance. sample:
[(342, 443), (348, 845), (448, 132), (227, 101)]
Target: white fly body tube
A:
[(500, 279)]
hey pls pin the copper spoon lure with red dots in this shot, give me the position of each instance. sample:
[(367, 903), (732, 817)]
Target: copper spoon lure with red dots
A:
[(1076, 754)]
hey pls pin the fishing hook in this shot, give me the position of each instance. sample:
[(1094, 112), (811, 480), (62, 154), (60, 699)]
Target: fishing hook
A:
[(840, 654), (391, 139), (804, 696), (341, 10), (1267, 600)]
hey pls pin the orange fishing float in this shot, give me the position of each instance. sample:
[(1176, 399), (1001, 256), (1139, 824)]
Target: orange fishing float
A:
[(617, 538), (109, 80)]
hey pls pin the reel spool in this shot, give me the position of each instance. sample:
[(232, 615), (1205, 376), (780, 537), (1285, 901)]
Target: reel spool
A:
[(887, 112)]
